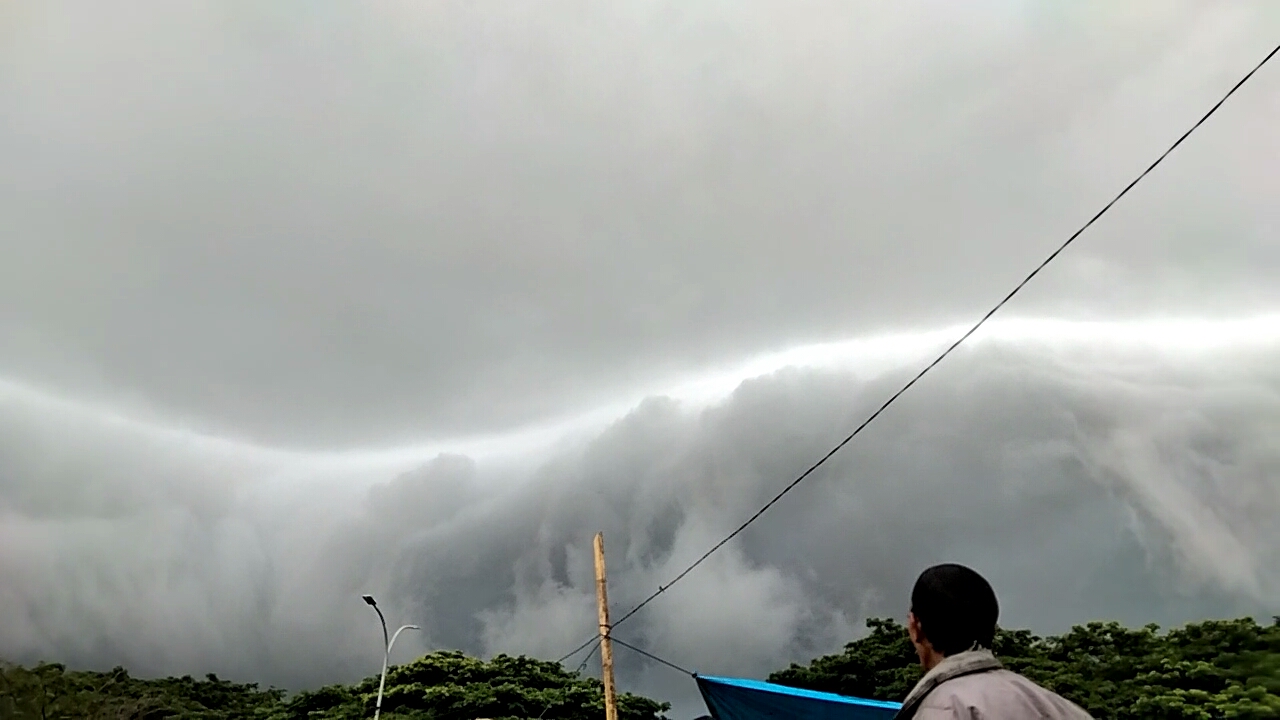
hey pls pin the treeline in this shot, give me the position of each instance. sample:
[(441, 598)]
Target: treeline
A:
[(1202, 671), (439, 686), (1209, 670)]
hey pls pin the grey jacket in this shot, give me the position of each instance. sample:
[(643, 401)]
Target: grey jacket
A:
[(974, 686)]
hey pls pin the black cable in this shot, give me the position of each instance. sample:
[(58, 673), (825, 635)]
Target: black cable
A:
[(651, 656), (578, 649), (1018, 288), (581, 666)]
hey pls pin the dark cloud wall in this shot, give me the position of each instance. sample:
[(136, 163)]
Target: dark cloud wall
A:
[(1088, 479)]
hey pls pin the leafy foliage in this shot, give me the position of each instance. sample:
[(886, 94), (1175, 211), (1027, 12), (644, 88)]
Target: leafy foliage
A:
[(439, 686), (880, 666), (1203, 671), (446, 685), (49, 691)]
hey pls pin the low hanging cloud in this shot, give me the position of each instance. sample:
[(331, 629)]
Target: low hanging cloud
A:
[(1107, 470)]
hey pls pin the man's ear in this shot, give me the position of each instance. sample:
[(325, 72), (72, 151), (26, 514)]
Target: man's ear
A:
[(913, 628)]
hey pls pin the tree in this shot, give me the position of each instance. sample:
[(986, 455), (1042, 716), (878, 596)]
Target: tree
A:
[(1208, 670), (446, 685), (439, 686), (881, 666)]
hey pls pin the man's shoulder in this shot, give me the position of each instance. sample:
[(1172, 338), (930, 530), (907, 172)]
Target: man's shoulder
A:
[(999, 694)]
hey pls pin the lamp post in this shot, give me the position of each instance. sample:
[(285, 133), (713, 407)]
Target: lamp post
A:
[(386, 654)]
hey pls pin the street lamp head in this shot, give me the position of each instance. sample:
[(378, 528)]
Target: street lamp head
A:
[(369, 599)]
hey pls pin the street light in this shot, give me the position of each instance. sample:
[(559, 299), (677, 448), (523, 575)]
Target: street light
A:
[(386, 655)]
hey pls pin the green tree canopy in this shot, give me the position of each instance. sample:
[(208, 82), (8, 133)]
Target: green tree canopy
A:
[(449, 685), (1203, 671), (1208, 670), (439, 686), (49, 691)]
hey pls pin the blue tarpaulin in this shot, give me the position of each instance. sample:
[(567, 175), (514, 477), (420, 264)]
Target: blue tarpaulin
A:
[(739, 699)]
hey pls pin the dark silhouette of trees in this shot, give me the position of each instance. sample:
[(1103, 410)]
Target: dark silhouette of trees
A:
[(1207, 670)]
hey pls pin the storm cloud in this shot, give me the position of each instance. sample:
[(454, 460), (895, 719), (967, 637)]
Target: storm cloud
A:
[(300, 301), (1093, 471), (353, 225)]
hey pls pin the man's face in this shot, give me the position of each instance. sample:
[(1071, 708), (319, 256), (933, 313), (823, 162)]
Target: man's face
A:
[(922, 645)]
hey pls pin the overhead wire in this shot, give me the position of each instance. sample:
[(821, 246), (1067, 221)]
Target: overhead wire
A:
[(581, 666), (945, 353), (578, 649), (651, 656), (587, 658)]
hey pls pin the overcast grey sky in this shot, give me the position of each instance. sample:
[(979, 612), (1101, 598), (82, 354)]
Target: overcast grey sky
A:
[(260, 263)]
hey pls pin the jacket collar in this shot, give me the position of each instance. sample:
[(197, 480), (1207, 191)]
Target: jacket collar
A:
[(965, 663)]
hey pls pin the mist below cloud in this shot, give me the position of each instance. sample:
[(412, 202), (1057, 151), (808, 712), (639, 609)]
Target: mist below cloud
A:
[(1104, 470)]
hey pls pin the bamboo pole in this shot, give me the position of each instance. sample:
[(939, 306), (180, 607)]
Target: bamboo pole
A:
[(606, 646)]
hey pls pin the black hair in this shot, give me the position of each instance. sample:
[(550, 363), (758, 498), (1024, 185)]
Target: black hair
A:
[(955, 607)]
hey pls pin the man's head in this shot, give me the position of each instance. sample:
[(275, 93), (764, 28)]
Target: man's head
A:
[(953, 609)]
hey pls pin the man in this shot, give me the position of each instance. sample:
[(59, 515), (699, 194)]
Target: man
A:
[(952, 624)]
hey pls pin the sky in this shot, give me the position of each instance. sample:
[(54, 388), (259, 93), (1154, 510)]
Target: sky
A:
[(304, 300)]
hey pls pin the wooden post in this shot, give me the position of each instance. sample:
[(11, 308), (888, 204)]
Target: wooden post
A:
[(606, 646)]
